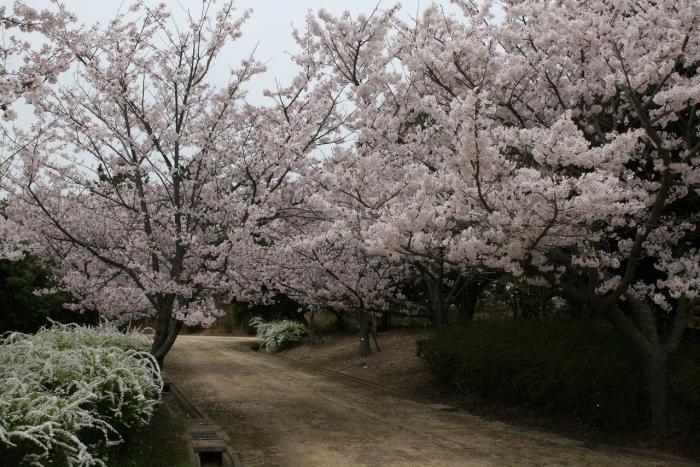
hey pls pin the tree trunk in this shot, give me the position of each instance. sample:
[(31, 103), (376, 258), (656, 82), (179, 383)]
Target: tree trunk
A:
[(163, 342), (161, 330), (642, 331), (312, 330), (385, 321), (340, 321), (656, 376), (437, 302), (363, 323), (434, 299), (470, 298)]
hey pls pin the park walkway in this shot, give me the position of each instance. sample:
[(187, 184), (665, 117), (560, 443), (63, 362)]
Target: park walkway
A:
[(279, 413)]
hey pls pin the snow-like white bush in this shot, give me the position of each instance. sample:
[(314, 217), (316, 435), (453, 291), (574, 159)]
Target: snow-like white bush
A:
[(67, 392), (277, 335)]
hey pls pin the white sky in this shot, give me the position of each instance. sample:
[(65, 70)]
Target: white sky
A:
[(268, 32), (269, 28)]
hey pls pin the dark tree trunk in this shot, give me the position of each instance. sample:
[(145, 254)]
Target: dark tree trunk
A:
[(363, 322), (314, 335), (385, 321), (657, 385), (440, 316), (311, 326), (167, 330), (642, 331), (340, 321), (436, 301), (161, 331), (470, 298)]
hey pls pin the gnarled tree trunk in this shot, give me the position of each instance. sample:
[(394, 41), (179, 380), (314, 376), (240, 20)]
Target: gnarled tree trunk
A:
[(657, 386), (167, 329), (470, 298), (655, 348), (436, 301), (364, 324)]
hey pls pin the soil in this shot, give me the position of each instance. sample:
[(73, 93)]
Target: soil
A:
[(399, 368), (282, 413), (396, 367)]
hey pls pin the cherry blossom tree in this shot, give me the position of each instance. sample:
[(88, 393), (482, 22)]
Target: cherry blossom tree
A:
[(393, 166), (327, 266), (324, 261), (316, 252), (150, 186), (117, 188), (559, 146), (25, 71), (618, 88), (576, 155)]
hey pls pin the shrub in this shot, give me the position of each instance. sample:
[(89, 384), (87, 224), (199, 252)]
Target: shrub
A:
[(22, 308), (67, 391), (278, 335), (566, 366)]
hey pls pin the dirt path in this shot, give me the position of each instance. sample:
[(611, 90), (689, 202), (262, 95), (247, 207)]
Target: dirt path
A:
[(282, 414)]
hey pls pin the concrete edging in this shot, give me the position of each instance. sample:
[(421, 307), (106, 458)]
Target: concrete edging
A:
[(215, 445)]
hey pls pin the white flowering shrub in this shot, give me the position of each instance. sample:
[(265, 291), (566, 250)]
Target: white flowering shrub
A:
[(277, 335), (67, 392)]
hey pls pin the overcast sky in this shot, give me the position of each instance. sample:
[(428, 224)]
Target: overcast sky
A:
[(269, 28)]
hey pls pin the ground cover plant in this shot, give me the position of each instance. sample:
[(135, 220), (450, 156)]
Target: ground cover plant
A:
[(68, 392)]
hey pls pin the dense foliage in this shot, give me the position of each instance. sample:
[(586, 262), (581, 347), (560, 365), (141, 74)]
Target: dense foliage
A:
[(67, 392), (28, 298), (278, 335), (565, 366)]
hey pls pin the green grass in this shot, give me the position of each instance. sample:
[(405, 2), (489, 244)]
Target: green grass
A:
[(161, 443)]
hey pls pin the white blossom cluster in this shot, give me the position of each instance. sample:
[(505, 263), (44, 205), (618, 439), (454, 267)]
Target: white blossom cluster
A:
[(67, 391)]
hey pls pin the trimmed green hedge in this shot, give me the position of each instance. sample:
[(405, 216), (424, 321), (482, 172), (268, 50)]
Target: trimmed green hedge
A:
[(564, 366)]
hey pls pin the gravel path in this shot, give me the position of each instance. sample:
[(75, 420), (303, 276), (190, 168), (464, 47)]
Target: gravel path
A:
[(279, 413)]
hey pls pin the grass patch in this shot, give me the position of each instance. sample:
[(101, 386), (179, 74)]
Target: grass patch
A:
[(161, 443)]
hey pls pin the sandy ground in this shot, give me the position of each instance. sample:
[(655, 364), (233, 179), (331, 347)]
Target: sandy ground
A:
[(397, 366), (279, 413)]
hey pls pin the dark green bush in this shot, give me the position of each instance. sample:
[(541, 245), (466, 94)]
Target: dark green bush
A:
[(21, 309), (564, 366)]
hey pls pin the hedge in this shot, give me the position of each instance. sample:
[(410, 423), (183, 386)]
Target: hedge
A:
[(564, 366)]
